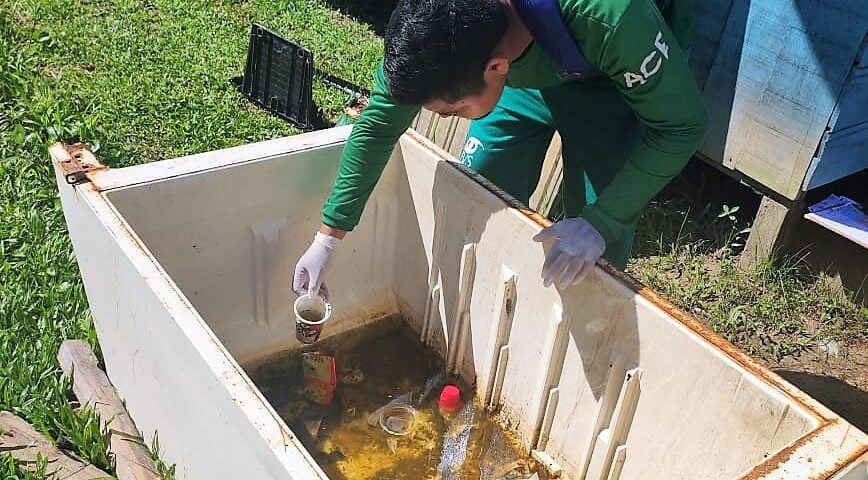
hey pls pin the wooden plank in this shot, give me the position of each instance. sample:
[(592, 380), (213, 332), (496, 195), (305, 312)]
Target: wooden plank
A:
[(550, 180), (772, 229), (423, 121), (775, 82), (441, 133), (845, 146), (459, 138), (26, 445), (708, 24), (92, 387), (447, 133), (845, 231)]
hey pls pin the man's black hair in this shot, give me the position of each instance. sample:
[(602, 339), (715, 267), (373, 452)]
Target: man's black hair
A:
[(438, 49)]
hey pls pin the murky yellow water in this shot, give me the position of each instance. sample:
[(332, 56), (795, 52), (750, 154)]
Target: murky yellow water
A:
[(311, 315), (375, 365)]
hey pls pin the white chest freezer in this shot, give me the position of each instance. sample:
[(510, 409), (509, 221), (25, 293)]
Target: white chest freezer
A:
[(187, 265)]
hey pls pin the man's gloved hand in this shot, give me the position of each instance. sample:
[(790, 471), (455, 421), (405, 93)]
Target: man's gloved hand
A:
[(311, 268), (575, 251)]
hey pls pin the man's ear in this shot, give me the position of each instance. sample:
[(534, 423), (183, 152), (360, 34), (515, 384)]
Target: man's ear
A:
[(498, 66)]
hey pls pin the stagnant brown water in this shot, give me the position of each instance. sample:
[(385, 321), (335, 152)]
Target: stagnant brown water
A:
[(374, 366)]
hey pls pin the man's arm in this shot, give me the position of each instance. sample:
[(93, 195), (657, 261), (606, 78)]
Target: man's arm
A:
[(368, 149), (641, 55), (362, 162)]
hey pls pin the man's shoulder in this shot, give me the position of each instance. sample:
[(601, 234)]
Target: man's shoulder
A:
[(602, 13)]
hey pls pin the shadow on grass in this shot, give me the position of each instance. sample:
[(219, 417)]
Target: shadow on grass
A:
[(841, 259), (691, 211), (375, 13), (688, 216), (845, 399)]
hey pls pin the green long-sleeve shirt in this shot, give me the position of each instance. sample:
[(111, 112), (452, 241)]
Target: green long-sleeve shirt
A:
[(631, 43)]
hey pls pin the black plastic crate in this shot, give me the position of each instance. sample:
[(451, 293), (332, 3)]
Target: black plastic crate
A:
[(279, 77)]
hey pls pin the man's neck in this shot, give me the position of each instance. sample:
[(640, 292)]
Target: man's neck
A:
[(517, 36)]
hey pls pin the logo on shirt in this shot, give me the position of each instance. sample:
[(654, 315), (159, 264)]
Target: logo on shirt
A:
[(473, 144), (651, 64)]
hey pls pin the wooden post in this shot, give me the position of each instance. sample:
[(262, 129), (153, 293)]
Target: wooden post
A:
[(26, 445), (772, 230), (92, 387), (551, 178)]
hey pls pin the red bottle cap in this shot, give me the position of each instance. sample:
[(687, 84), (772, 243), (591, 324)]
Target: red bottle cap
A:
[(450, 398)]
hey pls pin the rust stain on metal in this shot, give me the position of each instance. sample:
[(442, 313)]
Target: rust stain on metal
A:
[(846, 462), (775, 460), (124, 229), (76, 161), (769, 466)]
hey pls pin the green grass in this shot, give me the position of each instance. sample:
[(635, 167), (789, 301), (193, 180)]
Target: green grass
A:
[(688, 252), (147, 80), (10, 471), (139, 81)]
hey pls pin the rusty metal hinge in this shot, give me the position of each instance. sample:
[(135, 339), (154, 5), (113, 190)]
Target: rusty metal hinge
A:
[(76, 161)]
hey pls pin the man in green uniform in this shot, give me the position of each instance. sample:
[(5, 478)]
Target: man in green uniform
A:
[(625, 132)]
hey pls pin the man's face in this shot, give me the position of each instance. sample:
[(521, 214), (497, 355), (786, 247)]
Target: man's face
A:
[(475, 106)]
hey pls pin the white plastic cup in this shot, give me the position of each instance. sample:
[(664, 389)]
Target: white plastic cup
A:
[(311, 312), (398, 419)]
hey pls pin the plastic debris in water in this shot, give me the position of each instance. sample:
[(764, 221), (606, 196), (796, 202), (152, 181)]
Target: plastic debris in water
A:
[(374, 418), (398, 419), (392, 443), (517, 470), (455, 442), (450, 399), (430, 384), (309, 424), (320, 377), (354, 376)]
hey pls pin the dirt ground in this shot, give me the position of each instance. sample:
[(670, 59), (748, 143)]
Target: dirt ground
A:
[(834, 372), (839, 382), (836, 376)]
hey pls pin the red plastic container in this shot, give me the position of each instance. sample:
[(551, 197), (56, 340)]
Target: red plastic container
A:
[(450, 399)]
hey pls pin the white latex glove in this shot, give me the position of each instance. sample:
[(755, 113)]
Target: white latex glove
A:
[(312, 266), (575, 251)]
